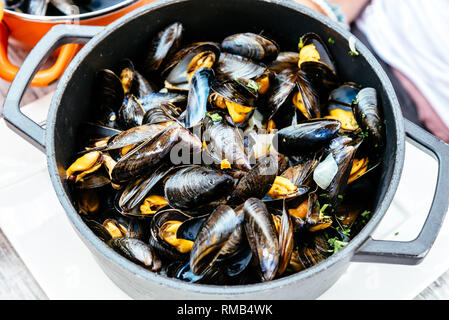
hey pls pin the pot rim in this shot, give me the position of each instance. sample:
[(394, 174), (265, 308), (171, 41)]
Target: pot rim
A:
[(70, 18), (345, 254)]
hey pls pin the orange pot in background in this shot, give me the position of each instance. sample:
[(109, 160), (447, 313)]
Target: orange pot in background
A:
[(28, 29)]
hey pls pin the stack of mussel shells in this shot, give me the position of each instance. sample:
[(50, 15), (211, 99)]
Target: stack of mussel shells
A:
[(57, 7), (227, 163)]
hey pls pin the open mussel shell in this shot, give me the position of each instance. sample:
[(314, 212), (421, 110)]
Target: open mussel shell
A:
[(163, 248), (161, 114), (281, 91), (262, 237), (99, 230), (130, 227), (196, 186), (156, 99), (13, 4), (321, 73), (190, 228), (176, 69), (308, 101), (258, 181), (286, 240), (252, 46), (131, 113), (109, 94), (93, 181), (235, 92), (198, 96), (311, 251), (321, 77), (137, 251), (37, 7), (344, 158), (345, 94), (133, 82), (165, 43), (305, 137), (136, 192), (93, 131), (146, 156), (224, 141), (301, 190), (232, 67), (212, 237), (126, 72), (301, 173), (285, 60), (134, 136), (325, 56)]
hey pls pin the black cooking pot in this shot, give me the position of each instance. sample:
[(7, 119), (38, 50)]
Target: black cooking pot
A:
[(205, 20)]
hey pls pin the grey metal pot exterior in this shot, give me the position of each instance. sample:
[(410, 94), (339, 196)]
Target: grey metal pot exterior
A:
[(212, 20)]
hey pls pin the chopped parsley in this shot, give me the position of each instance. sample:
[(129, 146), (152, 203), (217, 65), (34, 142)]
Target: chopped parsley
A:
[(253, 85), (331, 41), (324, 208), (396, 234), (345, 230), (215, 117), (366, 215), (336, 244), (353, 53)]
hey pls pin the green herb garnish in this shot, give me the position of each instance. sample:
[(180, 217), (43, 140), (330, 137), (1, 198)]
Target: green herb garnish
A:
[(331, 41), (215, 117), (366, 214), (324, 208), (253, 85), (336, 244), (353, 53)]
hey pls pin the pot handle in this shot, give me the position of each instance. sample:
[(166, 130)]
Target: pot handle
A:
[(43, 77), (57, 36), (413, 252)]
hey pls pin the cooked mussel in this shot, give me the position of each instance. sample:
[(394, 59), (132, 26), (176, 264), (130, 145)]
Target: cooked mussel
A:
[(212, 238), (164, 234), (186, 62), (232, 67), (252, 46), (317, 64), (109, 93), (234, 96), (137, 251), (225, 142), (166, 42), (198, 96), (286, 240), (196, 186), (258, 181), (368, 115), (305, 137), (262, 237), (131, 113), (307, 99), (146, 156), (162, 113)]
